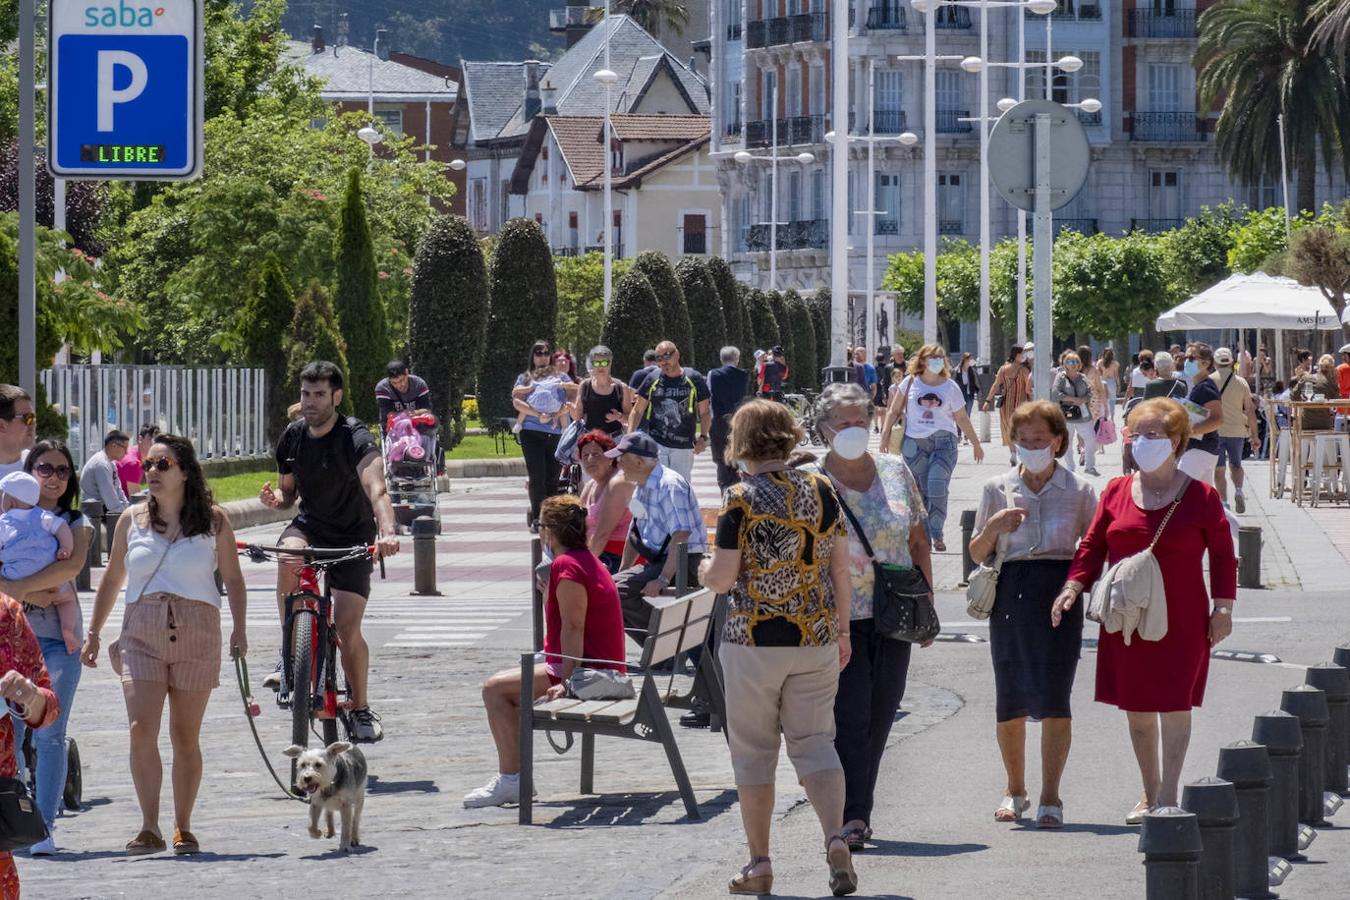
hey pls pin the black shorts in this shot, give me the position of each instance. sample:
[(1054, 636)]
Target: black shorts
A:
[(353, 576)]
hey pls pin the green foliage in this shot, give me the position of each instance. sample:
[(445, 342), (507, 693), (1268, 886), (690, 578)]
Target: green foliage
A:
[(705, 312), (730, 295), (958, 280), (447, 321), (524, 306), (1261, 241), (820, 308), (763, 323), (1107, 286), (1196, 254), (1003, 285), (747, 344), (1320, 256), (261, 335), (243, 56), (802, 365), (634, 322), (656, 15), (670, 298), (581, 299), (360, 310), (314, 336), (778, 303)]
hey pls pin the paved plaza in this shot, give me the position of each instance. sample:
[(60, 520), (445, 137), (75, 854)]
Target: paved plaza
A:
[(940, 781)]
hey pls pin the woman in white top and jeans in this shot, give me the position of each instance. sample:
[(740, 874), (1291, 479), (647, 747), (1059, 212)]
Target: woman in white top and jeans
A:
[(166, 553)]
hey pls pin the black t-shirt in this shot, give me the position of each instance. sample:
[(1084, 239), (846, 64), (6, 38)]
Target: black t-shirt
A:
[(391, 400), (1205, 392), (775, 373), (672, 406), (595, 407), (1164, 387), (334, 508)]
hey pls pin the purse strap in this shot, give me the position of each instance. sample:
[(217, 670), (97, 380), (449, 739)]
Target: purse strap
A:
[(1002, 544), (857, 527), (1167, 518), (155, 571)]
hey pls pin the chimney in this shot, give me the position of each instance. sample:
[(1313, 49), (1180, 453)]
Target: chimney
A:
[(316, 43), (693, 64), (532, 101), (549, 97), (381, 43)]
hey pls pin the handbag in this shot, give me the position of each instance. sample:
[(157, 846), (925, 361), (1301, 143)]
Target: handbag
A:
[(567, 444), (897, 443), (1106, 432), (599, 684), (1135, 581), (21, 823), (902, 608), (982, 586)]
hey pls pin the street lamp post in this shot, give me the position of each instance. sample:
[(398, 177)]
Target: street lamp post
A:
[(608, 77), (839, 187), (744, 157)]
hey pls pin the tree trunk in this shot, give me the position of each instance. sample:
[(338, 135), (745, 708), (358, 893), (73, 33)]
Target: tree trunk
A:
[(1307, 180)]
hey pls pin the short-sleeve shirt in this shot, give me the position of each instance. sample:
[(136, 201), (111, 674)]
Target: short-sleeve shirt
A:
[(129, 471), (931, 408), (1205, 392), (886, 511), (334, 508), (787, 525), (391, 400), (16, 466), (1138, 380), (671, 415), (602, 633), (1058, 516), (1237, 398)]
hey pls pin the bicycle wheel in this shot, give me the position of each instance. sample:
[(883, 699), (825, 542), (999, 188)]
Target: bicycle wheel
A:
[(302, 676)]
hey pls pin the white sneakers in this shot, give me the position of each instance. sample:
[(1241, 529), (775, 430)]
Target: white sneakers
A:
[(44, 847), (499, 791)]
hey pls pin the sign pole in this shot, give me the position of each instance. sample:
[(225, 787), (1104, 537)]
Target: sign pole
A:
[(1042, 269), (27, 202)]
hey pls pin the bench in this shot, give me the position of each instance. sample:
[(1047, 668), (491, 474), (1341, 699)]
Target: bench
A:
[(678, 625)]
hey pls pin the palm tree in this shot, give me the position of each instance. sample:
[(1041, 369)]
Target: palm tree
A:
[(1255, 61), (655, 15), (1333, 27)]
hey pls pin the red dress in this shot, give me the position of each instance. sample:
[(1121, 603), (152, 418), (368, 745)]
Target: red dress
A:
[(1167, 675)]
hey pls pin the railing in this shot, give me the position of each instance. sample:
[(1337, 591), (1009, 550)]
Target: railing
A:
[(1083, 12), (792, 130), (223, 411), (571, 16), (887, 121), (1166, 126), (1152, 226), (1082, 226), (799, 235), (787, 30), (1149, 23), (566, 251), (888, 226), (756, 34), (949, 121), (733, 130), (1090, 119), (953, 18), (886, 17), (951, 226), (695, 242), (734, 31)]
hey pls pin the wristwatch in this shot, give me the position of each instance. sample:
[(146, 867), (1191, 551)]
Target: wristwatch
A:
[(1224, 610)]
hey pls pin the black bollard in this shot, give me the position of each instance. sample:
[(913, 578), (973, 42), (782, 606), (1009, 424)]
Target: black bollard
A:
[(1283, 736), (967, 531), (1214, 802), (1171, 844), (1335, 681), (1249, 556), (1310, 705), (93, 511), (110, 520), (1247, 766), (424, 557)]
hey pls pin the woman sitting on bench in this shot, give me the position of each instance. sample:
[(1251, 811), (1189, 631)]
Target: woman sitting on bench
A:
[(582, 620)]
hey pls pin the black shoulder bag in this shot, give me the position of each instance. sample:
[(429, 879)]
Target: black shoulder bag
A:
[(21, 823), (901, 606)]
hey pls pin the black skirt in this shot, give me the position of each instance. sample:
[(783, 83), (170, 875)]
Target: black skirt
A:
[(1034, 664)]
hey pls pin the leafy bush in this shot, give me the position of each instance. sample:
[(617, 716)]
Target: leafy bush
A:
[(705, 313), (729, 292), (263, 325), (581, 299), (524, 306), (1196, 254), (448, 316), (360, 311), (314, 335), (633, 324), (670, 297), (747, 344), (1260, 238), (803, 364), (763, 322)]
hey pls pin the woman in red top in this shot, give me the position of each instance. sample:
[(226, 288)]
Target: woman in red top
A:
[(583, 626), (1157, 683), (26, 686)]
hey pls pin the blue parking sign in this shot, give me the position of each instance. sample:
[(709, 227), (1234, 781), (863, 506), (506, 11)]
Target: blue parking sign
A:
[(126, 89)]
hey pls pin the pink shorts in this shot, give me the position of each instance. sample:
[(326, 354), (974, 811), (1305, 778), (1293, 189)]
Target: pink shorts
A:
[(170, 640)]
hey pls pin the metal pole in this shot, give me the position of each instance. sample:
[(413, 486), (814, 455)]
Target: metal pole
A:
[(27, 203), (1021, 213), (982, 343), (1284, 180), (930, 177), (1041, 244), (839, 186), (773, 188), (608, 218), (870, 312)]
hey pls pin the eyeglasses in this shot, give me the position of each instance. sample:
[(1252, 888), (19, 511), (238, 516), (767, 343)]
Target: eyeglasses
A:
[(541, 352), (1073, 363), (600, 364), (662, 357), (163, 464), (28, 419), (47, 470)]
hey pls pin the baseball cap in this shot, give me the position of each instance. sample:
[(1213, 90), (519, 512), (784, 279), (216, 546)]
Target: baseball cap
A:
[(22, 487), (1345, 349), (637, 443), (1223, 356)]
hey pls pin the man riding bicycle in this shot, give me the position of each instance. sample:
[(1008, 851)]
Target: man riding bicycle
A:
[(331, 465)]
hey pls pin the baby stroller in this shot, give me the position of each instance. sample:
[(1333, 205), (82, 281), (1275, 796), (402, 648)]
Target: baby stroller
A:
[(72, 794), (411, 449)]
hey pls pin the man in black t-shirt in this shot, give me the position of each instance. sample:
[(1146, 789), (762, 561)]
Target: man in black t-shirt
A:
[(671, 403), (400, 391), (330, 464)]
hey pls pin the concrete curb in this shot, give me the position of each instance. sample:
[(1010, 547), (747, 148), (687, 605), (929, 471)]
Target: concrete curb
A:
[(251, 514), (484, 468)]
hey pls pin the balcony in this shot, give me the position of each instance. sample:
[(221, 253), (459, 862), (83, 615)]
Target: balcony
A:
[(886, 17), (566, 251), (1077, 11), (1151, 23), (888, 226), (792, 130), (695, 243), (1176, 127), (884, 121), (733, 130), (951, 226), (953, 18), (1153, 226), (1090, 120), (756, 34), (780, 30), (949, 121), (800, 235), (1082, 226)]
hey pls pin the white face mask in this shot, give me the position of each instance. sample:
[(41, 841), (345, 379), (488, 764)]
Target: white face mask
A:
[(1036, 461), (1150, 453), (936, 365), (850, 443)]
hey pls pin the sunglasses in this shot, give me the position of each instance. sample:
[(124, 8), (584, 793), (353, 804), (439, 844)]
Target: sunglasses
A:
[(47, 470), (163, 464), (542, 352), (662, 357), (28, 419), (600, 364)]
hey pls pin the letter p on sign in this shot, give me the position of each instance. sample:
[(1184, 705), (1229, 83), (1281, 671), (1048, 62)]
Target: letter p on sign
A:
[(109, 61)]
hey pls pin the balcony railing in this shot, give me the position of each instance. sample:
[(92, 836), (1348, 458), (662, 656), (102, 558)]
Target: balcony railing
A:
[(1150, 23), (1083, 12), (566, 251), (949, 121), (756, 34), (1153, 226), (886, 17), (951, 226), (1082, 226), (1089, 119), (888, 226), (884, 121), (798, 235), (792, 130), (695, 243), (734, 31), (780, 30), (1167, 126), (733, 130), (953, 18)]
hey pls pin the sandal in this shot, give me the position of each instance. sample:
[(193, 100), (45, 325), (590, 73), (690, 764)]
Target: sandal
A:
[(1136, 815), (940, 546), (843, 880), (1011, 809), (184, 843), (745, 883), (855, 837), (1048, 816), (145, 843)]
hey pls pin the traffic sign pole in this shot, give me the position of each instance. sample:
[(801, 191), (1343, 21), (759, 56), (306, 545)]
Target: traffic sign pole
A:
[(27, 202), (1042, 243)]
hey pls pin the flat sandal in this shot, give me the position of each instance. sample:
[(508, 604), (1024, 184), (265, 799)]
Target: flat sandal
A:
[(145, 843), (745, 883), (843, 879)]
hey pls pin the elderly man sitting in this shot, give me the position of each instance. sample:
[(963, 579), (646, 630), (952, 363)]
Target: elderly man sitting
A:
[(665, 515)]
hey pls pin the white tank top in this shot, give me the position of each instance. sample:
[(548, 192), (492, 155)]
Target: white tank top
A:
[(188, 568)]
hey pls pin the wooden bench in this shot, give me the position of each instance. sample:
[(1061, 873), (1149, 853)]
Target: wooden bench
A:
[(678, 625)]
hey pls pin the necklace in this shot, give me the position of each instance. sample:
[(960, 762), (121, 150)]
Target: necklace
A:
[(1156, 492)]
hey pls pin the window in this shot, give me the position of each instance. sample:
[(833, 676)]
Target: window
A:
[(852, 202), (887, 96), (817, 90), (765, 196), (733, 15), (1164, 195), (948, 89), (793, 98), (768, 90), (504, 203), (951, 203), (573, 235), (618, 234), (543, 169), (794, 7), (1164, 87), (392, 118), (818, 200), (742, 211), (478, 204), (794, 197), (887, 203), (1266, 193), (695, 229)]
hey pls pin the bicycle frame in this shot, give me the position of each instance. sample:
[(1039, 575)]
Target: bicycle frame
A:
[(307, 600)]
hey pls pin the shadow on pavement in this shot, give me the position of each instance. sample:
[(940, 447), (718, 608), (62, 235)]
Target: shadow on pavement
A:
[(914, 848), (630, 809), (335, 853), (208, 857), (377, 786), (1083, 828)]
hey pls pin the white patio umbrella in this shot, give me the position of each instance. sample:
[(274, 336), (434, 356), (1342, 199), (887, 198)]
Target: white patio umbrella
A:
[(1257, 300)]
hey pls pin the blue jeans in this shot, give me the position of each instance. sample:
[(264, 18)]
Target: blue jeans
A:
[(50, 742), (932, 460)]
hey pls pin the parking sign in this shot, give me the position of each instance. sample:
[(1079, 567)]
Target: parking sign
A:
[(125, 98)]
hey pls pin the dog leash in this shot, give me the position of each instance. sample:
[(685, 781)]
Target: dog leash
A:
[(251, 710)]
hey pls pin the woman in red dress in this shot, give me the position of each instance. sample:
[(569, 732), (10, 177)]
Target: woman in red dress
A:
[(1157, 683)]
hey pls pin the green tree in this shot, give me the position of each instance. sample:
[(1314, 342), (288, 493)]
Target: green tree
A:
[(656, 15), (360, 311), (958, 283), (705, 312), (1197, 252), (820, 308), (1320, 256), (581, 299), (447, 321), (748, 344), (524, 307), (314, 336), (633, 324), (670, 299), (729, 293), (263, 327), (1107, 286), (1256, 61), (803, 366), (1260, 241), (781, 303), (764, 324)]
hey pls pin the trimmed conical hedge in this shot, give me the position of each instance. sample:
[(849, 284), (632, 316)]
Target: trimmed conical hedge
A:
[(729, 292), (705, 313), (633, 324), (523, 293), (778, 304), (820, 320), (670, 296), (803, 365), (314, 336), (264, 324), (356, 298)]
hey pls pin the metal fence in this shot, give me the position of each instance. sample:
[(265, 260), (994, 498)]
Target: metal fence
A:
[(222, 410)]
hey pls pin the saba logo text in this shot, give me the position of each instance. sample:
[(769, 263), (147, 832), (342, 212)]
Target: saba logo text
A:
[(122, 15)]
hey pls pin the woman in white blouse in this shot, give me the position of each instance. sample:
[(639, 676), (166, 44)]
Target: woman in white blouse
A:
[(1036, 514)]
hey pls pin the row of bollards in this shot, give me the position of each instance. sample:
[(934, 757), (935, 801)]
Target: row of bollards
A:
[(1236, 835)]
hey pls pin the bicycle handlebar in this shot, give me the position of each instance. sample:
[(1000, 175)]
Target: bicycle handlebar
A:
[(316, 554)]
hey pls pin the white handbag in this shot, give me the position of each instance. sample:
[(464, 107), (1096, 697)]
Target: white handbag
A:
[(982, 586)]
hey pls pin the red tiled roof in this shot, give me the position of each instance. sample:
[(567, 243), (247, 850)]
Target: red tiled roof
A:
[(582, 142), (660, 128)]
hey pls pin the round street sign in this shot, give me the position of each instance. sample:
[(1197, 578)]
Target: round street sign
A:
[(1012, 154)]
